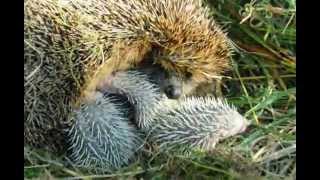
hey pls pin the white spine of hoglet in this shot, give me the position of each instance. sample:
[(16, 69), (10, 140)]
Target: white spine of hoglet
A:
[(191, 122), (195, 123), (101, 137), (143, 95)]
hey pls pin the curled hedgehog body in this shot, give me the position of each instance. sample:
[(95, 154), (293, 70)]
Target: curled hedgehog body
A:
[(71, 46)]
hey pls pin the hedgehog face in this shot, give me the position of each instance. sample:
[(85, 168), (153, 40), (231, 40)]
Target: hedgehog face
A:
[(190, 62), (172, 84), (185, 40)]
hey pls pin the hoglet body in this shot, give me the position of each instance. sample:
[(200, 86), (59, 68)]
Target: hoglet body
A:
[(103, 137), (71, 46)]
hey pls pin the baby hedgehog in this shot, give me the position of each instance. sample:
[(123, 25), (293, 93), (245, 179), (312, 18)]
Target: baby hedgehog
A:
[(195, 123), (103, 138), (143, 95), (71, 46), (102, 135)]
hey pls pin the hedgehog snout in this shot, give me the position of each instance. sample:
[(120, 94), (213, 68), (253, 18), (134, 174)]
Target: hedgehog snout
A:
[(173, 92), (105, 84), (242, 124), (238, 125)]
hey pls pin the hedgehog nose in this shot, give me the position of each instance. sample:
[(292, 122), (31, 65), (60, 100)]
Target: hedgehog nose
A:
[(173, 93)]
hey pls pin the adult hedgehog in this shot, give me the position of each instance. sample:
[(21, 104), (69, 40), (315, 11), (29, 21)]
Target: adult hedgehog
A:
[(71, 46)]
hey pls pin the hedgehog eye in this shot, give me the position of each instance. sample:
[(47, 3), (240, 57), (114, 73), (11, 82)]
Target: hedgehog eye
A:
[(188, 75)]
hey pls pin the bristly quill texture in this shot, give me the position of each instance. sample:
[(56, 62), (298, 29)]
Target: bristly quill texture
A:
[(72, 45), (142, 94), (195, 123), (189, 123), (101, 137)]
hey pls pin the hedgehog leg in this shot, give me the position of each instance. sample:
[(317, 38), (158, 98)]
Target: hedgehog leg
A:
[(101, 137)]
